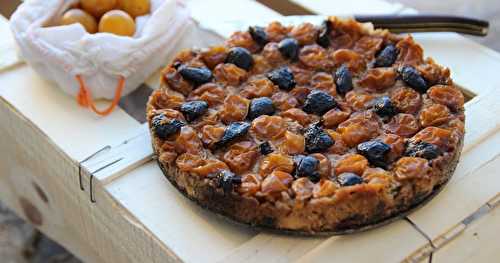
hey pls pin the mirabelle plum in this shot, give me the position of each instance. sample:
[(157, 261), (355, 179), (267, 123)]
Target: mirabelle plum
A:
[(135, 7), (98, 7), (117, 22), (73, 16)]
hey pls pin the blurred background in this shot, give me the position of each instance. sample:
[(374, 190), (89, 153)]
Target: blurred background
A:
[(20, 242)]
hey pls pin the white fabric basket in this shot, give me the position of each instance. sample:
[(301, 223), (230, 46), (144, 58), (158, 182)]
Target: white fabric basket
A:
[(61, 53)]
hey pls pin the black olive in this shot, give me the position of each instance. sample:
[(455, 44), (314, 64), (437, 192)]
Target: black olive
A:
[(226, 180), (383, 107), (240, 57), (260, 106), (348, 179), (258, 34), (232, 132), (319, 102), (197, 76), (289, 48), (194, 109), (164, 127), (324, 34), (343, 80), (317, 140), (306, 166), (265, 148), (283, 77), (412, 77), (422, 149), (375, 151), (387, 56)]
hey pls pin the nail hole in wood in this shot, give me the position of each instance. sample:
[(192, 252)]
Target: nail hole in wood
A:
[(31, 212)]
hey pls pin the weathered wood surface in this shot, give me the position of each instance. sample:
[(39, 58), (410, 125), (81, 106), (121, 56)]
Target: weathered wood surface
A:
[(138, 216)]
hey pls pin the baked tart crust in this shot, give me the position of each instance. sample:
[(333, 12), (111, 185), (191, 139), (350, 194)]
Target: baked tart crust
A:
[(308, 129)]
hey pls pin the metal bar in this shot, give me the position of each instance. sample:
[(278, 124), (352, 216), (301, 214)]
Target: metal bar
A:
[(427, 23)]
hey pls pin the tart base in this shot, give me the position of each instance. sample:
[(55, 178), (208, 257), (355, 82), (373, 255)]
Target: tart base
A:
[(224, 205)]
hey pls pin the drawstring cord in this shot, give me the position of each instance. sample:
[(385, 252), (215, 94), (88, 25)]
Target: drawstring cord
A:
[(84, 98)]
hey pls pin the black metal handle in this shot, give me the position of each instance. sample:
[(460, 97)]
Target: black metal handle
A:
[(427, 23)]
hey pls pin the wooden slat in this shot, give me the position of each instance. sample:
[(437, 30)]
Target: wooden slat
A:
[(8, 56), (193, 234), (267, 247), (76, 130), (340, 7), (458, 200), (476, 170), (95, 232), (391, 243), (214, 11), (119, 159)]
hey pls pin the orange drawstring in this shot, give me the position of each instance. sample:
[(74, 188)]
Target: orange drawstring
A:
[(84, 98)]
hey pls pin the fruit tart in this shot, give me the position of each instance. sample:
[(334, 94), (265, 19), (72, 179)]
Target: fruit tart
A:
[(308, 129)]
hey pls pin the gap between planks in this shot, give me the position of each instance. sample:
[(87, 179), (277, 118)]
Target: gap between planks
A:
[(451, 234)]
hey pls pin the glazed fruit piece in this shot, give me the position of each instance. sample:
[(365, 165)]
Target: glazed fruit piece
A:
[(319, 102), (260, 106), (258, 34), (317, 140), (289, 48), (343, 80), (197, 76), (240, 57), (384, 107), (387, 56), (283, 78), (308, 128), (164, 127), (194, 109), (233, 131), (375, 151), (306, 166)]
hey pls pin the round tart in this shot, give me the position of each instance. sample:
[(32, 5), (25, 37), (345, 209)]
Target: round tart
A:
[(308, 129)]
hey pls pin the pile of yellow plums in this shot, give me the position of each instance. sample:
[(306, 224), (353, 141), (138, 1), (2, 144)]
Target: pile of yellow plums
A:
[(114, 16)]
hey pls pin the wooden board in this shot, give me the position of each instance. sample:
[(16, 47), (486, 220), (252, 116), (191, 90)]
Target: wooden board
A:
[(128, 212)]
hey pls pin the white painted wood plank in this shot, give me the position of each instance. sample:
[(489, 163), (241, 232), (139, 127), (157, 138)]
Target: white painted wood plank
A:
[(458, 200), (340, 7), (478, 243), (193, 234), (78, 131), (221, 11), (8, 55), (391, 243), (274, 248), (119, 159)]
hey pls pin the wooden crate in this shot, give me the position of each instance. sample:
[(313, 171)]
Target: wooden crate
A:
[(90, 182)]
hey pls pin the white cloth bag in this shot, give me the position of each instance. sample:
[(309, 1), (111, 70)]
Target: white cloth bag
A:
[(61, 53)]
